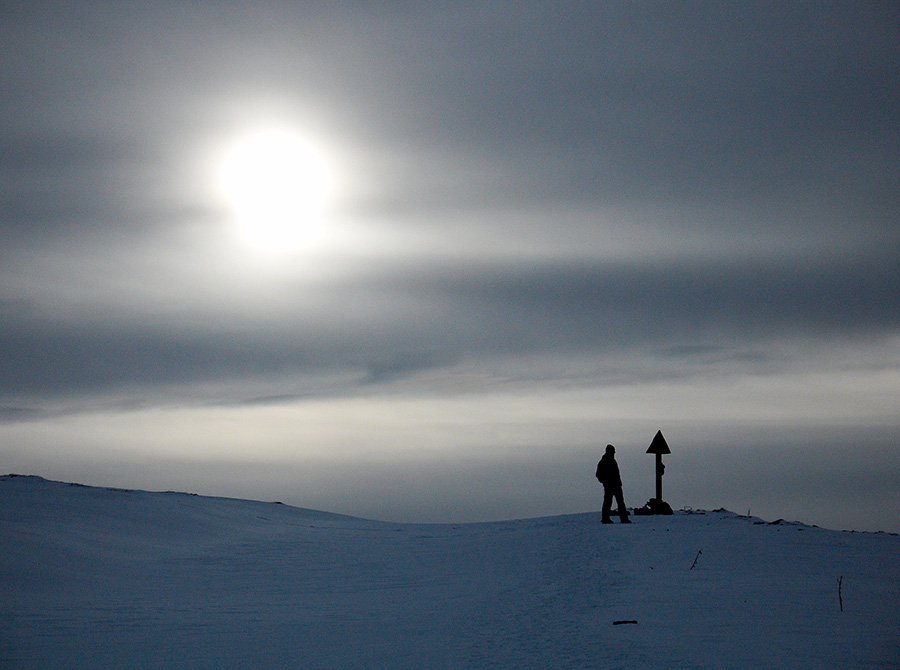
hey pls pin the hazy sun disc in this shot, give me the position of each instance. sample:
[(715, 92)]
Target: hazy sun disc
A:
[(277, 185)]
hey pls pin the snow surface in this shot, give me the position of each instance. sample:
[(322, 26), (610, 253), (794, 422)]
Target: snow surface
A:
[(107, 578)]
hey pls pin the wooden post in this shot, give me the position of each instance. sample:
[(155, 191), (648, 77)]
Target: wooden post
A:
[(659, 473), (659, 446), (657, 505)]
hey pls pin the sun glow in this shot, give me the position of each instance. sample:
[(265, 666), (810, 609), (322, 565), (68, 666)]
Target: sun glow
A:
[(277, 185)]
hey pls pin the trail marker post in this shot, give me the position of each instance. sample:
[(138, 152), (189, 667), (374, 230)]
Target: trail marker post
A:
[(657, 505), (659, 446)]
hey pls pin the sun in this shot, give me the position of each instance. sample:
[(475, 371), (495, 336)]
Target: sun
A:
[(277, 184)]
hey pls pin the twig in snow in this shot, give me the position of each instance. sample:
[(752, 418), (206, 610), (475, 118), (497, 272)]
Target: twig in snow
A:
[(694, 564), (840, 595)]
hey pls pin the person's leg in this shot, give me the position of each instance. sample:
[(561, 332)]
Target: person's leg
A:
[(623, 511), (607, 503)]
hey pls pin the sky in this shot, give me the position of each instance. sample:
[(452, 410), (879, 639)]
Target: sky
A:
[(423, 261)]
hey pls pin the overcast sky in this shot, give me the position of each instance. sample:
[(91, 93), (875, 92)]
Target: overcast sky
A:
[(549, 226)]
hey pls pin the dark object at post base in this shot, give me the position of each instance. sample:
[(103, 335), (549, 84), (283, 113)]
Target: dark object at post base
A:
[(654, 506)]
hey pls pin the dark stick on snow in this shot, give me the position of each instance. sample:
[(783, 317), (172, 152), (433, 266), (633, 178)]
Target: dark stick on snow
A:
[(621, 621), (840, 595), (694, 564)]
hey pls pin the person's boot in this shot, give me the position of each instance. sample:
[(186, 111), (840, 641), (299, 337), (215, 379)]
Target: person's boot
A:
[(606, 520)]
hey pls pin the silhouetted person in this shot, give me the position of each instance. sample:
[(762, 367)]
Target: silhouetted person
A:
[(608, 475)]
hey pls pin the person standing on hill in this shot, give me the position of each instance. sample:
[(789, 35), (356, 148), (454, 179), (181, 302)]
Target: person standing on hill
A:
[(608, 475)]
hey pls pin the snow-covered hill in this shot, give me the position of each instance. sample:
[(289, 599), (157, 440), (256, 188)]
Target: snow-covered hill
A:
[(106, 578)]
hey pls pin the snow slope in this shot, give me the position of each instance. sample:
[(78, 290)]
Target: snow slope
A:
[(106, 578)]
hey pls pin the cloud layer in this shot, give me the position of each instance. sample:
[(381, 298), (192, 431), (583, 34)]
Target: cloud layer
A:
[(531, 197)]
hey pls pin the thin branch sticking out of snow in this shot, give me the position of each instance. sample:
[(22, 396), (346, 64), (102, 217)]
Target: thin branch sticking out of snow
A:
[(696, 558)]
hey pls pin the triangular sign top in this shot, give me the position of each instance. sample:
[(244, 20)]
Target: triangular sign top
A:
[(659, 445)]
